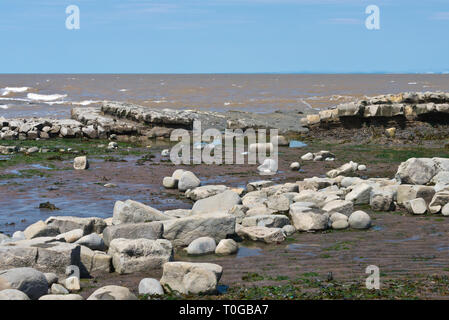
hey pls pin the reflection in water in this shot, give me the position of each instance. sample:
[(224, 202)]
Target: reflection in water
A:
[(297, 144), (404, 240), (248, 252)]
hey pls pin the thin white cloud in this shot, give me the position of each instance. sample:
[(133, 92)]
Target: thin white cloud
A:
[(440, 16)]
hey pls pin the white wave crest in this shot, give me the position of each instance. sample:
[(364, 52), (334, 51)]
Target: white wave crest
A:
[(8, 90), (45, 97)]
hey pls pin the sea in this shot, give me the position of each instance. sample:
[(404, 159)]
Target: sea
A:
[(53, 95)]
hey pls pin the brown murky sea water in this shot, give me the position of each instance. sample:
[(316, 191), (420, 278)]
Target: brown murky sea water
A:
[(53, 95)]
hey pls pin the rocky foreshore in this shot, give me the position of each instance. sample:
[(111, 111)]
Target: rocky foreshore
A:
[(402, 116), (48, 259), (411, 115), (117, 118)]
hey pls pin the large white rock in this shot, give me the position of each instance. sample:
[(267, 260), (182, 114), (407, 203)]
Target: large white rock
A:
[(44, 254), (191, 278), (203, 245), (342, 206), (188, 180), (220, 203), (94, 261), (416, 206), (445, 210), (295, 166), (28, 280), (40, 229), (203, 192), (349, 181), (360, 194), (56, 288), (439, 200), (255, 199), (139, 255), (307, 157), (407, 192), (416, 171), (81, 163), (319, 198), (278, 203), (150, 287), (73, 284), (177, 174), (268, 167), (183, 231), (340, 224), (226, 247), (135, 212), (68, 223), (92, 241), (263, 234), (112, 293), (338, 216), (71, 236), (269, 221), (343, 170), (310, 221), (151, 230), (257, 185), (359, 220), (13, 294), (382, 200), (170, 183)]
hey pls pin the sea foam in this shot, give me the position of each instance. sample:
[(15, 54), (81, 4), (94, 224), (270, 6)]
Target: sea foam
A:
[(8, 90), (45, 97)]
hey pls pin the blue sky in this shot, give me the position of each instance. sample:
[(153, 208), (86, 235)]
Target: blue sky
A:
[(224, 36)]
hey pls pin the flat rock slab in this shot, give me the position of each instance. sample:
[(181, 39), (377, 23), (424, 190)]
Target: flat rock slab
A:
[(151, 231), (183, 231), (138, 255), (191, 278), (36, 253), (88, 225)]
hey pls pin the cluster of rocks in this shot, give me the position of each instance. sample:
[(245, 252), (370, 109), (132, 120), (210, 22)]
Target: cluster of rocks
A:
[(346, 168), (425, 185), (41, 128), (410, 106), (319, 156), (126, 119)]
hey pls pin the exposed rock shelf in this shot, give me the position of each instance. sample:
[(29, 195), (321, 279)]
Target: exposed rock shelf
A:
[(419, 113)]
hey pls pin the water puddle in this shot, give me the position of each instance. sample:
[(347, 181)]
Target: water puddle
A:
[(245, 252), (377, 228), (414, 238), (39, 166), (303, 248), (222, 289), (359, 259), (297, 144)]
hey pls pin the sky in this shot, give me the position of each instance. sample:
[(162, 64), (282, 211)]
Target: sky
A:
[(224, 36)]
